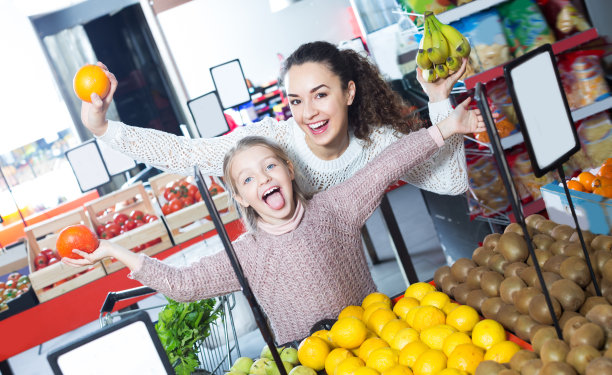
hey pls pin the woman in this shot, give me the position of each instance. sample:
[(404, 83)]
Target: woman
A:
[(344, 114)]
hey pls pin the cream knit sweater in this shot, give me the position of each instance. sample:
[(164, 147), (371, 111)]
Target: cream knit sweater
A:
[(310, 273), (445, 172)]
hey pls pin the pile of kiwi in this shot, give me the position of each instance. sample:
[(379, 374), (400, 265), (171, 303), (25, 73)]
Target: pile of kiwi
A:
[(501, 282)]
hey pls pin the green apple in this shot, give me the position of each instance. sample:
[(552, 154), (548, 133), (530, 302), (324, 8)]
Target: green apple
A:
[(266, 353), (235, 372), (242, 364), (259, 367), (272, 368), (290, 355), (302, 370)]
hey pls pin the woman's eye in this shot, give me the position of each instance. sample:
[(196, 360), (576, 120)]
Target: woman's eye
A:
[(270, 166), (294, 102), (321, 95), (247, 180)]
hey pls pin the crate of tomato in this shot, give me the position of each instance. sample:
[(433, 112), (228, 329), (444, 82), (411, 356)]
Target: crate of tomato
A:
[(50, 277), (184, 211), (127, 218)]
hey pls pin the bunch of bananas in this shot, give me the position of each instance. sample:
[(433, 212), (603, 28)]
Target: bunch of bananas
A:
[(441, 50)]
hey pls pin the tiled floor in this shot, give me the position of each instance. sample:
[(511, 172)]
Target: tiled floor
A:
[(418, 233)]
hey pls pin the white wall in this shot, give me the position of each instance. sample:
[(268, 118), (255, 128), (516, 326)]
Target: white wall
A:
[(205, 33)]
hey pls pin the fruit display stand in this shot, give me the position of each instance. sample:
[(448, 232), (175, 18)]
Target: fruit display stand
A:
[(153, 234), (57, 279), (192, 220)]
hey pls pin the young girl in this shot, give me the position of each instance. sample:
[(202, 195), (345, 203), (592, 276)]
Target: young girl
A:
[(344, 114), (302, 258)]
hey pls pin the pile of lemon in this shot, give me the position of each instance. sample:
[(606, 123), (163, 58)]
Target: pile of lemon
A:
[(424, 333)]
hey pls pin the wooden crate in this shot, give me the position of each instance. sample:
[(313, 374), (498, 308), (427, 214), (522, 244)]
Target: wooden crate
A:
[(43, 235), (125, 201), (191, 221)]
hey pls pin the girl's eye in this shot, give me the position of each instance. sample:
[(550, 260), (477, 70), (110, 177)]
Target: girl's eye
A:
[(247, 180), (270, 166), (294, 102)]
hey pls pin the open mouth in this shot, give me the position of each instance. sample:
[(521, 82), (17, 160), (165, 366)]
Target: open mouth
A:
[(274, 198), (318, 127)]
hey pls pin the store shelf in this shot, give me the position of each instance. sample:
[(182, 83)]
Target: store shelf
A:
[(530, 208), (512, 140), (466, 10), (558, 47), (591, 109)]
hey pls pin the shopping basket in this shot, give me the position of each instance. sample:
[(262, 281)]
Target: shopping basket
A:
[(215, 351)]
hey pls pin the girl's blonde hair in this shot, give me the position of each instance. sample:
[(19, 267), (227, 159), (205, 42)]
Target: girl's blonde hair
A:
[(249, 215)]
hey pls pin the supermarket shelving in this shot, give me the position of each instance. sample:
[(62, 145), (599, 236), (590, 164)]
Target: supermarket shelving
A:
[(465, 10)]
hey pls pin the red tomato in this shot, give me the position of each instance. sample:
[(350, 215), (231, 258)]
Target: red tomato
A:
[(40, 260), (140, 223), (10, 284), (104, 235), (48, 253), (140, 247), (53, 261), (100, 229), (130, 224), (176, 204), (187, 201), (76, 237), (170, 194), (137, 215), (2, 285), (112, 229), (14, 277), (152, 218), (120, 218), (197, 196), (166, 209), (191, 190)]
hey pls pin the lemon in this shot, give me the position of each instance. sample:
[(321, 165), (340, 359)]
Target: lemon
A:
[(379, 319), (404, 337), (402, 306), (365, 371), (410, 315), (352, 310), (466, 357), (334, 358), (437, 299), (348, 333), (463, 318), (390, 329), (450, 307), (369, 346), (429, 362), (312, 352), (382, 359), (487, 333), (347, 366), (398, 370), (370, 309), (502, 352), (324, 334), (428, 316), (419, 290), (452, 371), (411, 352), (454, 339), (376, 297), (434, 336)]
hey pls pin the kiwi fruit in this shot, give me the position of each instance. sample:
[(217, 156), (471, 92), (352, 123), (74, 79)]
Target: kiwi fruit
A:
[(507, 316), (488, 368), (509, 286), (449, 284), (440, 274), (541, 336), (481, 256), (523, 297), (557, 368), (538, 309), (554, 350), (599, 258), (541, 255), (490, 241), (549, 279), (586, 235), (475, 275), (517, 228), (580, 356), (562, 232), (557, 247), (520, 358), (546, 226), (529, 275), (574, 249), (588, 334), (508, 372), (533, 219), (569, 294), (591, 302), (567, 315), (542, 241), (523, 326), (476, 298), (531, 367), (589, 290), (490, 307), (602, 316), (572, 325), (608, 352), (513, 269), (606, 271), (599, 366), (553, 264), (498, 263), (602, 242), (490, 283), (575, 269), (513, 247), (460, 293), (461, 267)]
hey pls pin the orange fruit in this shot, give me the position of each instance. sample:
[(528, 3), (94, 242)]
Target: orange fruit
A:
[(348, 366), (90, 79), (334, 358), (371, 308), (600, 182), (352, 310), (398, 370), (430, 362), (383, 359), (437, 299), (411, 352), (419, 290), (466, 357), (376, 297), (434, 336), (365, 371), (454, 340), (312, 353), (404, 337), (487, 333), (76, 237), (348, 332), (369, 346), (575, 185), (605, 171), (379, 319), (586, 179), (502, 352), (402, 306), (428, 316), (324, 334), (605, 191), (391, 329), (463, 318)]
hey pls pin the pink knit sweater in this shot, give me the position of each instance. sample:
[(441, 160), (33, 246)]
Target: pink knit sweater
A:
[(310, 273)]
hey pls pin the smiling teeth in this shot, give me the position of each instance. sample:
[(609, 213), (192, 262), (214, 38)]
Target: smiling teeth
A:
[(317, 124), (270, 191)]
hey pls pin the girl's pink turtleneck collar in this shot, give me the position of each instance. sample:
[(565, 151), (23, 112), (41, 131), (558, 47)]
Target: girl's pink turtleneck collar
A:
[(286, 227)]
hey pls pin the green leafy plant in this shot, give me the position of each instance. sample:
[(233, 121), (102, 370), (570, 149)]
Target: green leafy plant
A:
[(182, 327)]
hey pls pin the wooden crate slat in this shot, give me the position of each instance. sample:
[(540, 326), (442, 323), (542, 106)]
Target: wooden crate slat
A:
[(96, 273), (205, 227)]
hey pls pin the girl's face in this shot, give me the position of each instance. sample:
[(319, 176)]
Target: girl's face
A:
[(263, 182), (319, 105)]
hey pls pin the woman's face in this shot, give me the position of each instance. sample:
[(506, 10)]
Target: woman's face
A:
[(319, 105), (263, 182)]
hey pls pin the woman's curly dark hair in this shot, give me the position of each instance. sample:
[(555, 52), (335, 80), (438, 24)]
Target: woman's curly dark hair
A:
[(375, 103)]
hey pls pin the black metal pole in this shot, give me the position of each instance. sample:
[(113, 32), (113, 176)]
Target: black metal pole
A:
[(246, 289), (500, 158)]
